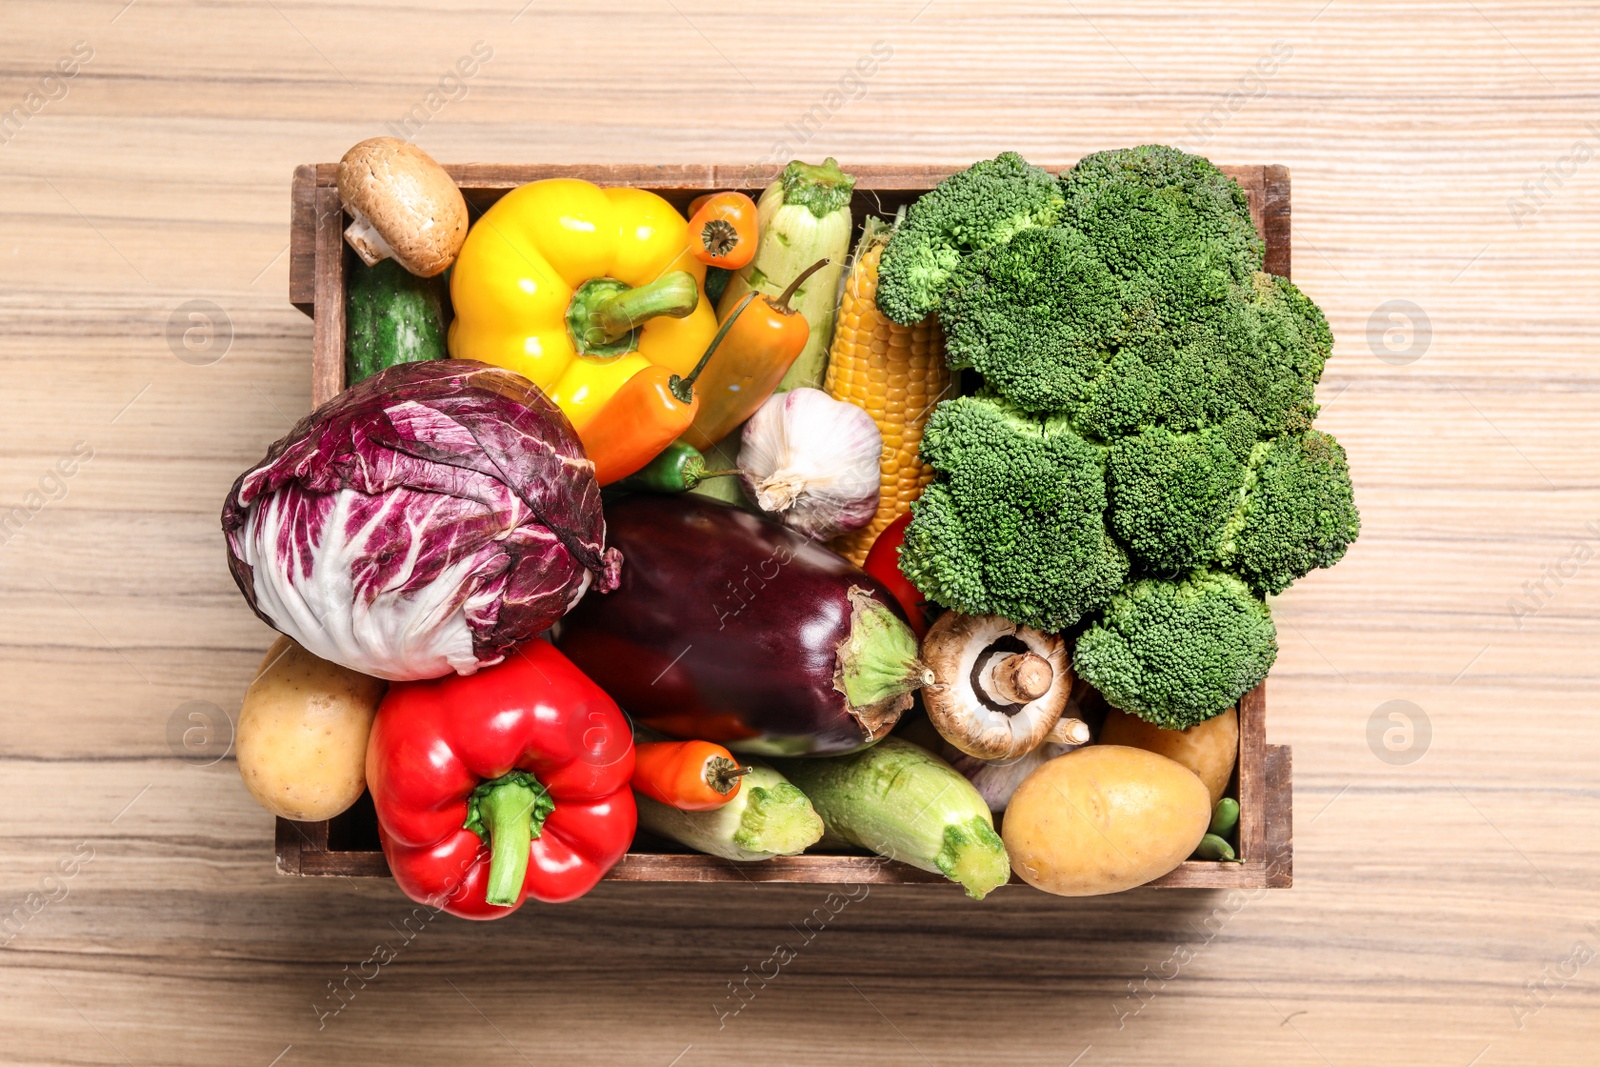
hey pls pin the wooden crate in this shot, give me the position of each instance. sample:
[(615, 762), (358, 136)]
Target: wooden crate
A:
[(319, 259)]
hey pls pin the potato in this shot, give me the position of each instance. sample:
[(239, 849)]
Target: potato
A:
[(1209, 749), (1103, 819), (303, 733)]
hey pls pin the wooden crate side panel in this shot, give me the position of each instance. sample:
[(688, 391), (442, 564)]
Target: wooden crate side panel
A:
[(303, 239), (1251, 774), (296, 855), (327, 331)]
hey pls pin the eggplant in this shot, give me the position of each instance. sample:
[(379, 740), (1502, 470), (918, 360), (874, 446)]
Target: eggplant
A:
[(729, 628)]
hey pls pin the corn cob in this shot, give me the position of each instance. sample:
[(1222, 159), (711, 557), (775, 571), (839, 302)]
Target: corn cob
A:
[(897, 374)]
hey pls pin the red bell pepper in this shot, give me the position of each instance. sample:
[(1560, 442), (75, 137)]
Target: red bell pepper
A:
[(501, 785), (883, 563)]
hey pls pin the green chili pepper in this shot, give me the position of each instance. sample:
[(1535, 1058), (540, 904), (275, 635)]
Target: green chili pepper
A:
[(1213, 847), (679, 468), (1225, 816)]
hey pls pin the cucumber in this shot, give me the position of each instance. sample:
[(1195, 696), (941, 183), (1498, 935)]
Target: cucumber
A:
[(769, 817), (393, 317), (901, 801)]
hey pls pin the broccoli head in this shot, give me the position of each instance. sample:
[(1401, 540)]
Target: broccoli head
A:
[(1176, 653), (1171, 495), (975, 209), (1140, 459), (1015, 524), (1298, 512), (1146, 305)]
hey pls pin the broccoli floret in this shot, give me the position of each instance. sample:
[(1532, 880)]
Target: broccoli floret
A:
[(1171, 495), (1014, 526), (1034, 316), (1257, 355), (1298, 512), (975, 209), (1157, 211), (1176, 653)]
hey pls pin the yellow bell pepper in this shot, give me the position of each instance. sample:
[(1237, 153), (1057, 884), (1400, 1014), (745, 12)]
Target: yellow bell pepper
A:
[(580, 288)]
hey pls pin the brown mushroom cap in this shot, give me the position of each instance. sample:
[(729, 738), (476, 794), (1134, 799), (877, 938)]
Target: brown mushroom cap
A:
[(403, 205), (999, 687)]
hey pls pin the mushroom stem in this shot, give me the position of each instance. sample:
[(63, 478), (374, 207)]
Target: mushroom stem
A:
[(367, 241), (1020, 679), (1068, 731)]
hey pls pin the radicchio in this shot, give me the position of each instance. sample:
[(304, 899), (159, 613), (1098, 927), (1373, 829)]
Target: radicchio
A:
[(425, 520)]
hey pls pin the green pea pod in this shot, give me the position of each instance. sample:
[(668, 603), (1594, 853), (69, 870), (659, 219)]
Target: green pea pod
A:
[(1213, 847), (1224, 817), (679, 468)]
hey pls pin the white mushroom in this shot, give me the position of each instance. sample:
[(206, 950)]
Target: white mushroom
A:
[(999, 687), (403, 205)]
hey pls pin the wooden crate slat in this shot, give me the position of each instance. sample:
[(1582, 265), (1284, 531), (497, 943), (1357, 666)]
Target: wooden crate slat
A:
[(327, 331)]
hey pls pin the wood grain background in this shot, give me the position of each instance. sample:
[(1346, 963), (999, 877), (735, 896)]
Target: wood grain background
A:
[(1444, 910)]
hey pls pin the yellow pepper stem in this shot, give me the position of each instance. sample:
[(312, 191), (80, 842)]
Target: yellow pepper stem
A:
[(604, 312)]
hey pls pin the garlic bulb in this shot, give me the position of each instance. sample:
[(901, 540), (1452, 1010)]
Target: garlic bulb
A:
[(997, 780), (813, 461)]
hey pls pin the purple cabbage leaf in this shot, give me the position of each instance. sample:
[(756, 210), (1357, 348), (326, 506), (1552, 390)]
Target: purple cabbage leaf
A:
[(424, 521)]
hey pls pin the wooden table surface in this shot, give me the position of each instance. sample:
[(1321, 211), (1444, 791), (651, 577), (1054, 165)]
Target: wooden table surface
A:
[(1444, 911)]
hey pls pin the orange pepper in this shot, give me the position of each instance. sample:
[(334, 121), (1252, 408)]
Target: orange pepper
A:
[(687, 775), (723, 229), (652, 409), (759, 349)]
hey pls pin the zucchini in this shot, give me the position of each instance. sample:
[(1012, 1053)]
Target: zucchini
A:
[(768, 817), (804, 216), (901, 801), (393, 317)]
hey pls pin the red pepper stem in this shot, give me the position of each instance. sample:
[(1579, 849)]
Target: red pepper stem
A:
[(508, 812), (683, 388), (782, 303)]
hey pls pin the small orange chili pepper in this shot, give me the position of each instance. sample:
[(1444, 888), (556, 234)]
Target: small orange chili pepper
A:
[(760, 348), (699, 202), (651, 410), (722, 231), (687, 775)]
